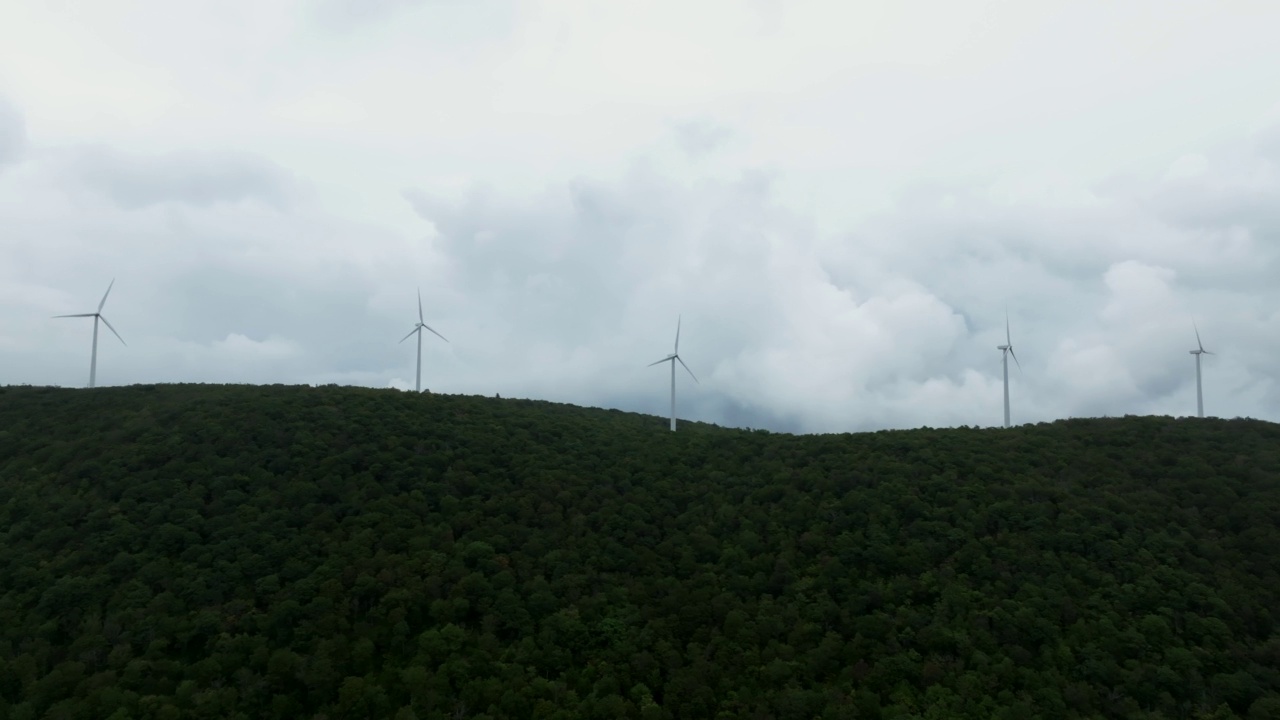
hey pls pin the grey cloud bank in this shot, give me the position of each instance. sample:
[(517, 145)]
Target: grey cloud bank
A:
[(197, 178), (291, 249), (568, 294)]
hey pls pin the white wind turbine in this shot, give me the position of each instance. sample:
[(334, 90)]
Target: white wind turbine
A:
[(1198, 352), (93, 358), (417, 381), (674, 358), (1005, 351)]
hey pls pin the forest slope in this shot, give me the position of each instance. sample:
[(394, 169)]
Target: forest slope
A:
[(246, 552)]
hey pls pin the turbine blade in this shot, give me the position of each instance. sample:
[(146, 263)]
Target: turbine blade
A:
[(1193, 325), (113, 331), (1007, 341), (1015, 358), (411, 332), (420, 305), (105, 294), (436, 333), (686, 367), (677, 333), (77, 315), (656, 362)]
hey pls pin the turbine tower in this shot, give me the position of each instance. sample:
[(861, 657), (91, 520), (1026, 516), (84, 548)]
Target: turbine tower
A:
[(417, 380), (93, 358), (1005, 351), (674, 358), (1198, 352)]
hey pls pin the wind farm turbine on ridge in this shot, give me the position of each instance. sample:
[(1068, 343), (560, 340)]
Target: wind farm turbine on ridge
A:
[(674, 358), (1198, 352), (417, 380), (93, 357), (1005, 351)]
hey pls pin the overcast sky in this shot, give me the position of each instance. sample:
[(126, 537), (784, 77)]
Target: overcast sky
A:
[(839, 197)]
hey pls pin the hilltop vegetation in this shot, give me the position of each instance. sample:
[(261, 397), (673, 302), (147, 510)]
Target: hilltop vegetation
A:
[(293, 552)]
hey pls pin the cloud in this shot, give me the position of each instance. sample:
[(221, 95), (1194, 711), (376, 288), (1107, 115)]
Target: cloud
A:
[(700, 137), (204, 178), (13, 133), (896, 323), (764, 323), (569, 292), (840, 223), (347, 15)]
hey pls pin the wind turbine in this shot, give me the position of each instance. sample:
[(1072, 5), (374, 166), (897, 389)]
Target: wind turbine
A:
[(1198, 352), (674, 358), (1005, 351), (93, 359), (417, 381)]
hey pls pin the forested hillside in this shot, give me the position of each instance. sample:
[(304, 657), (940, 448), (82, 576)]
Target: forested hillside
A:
[(293, 552)]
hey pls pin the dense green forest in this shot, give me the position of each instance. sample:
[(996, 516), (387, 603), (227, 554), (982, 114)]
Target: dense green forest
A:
[(201, 551)]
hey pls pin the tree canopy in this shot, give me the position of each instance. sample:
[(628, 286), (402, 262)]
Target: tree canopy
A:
[(204, 551)]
